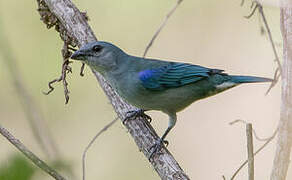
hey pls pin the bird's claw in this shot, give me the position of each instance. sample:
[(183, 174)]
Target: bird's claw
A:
[(157, 147), (166, 143), (135, 114)]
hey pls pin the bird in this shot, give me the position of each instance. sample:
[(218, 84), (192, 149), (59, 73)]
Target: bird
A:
[(152, 84)]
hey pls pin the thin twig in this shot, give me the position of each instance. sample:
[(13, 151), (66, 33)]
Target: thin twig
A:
[(253, 10), (262, 147), (277, 75), (82, 69), (278, 71), (69, 43), (253, 131), (161, 26), (250, 156), (36, 160), (65, 70), (51, 87), (92, 141), (262, 28)]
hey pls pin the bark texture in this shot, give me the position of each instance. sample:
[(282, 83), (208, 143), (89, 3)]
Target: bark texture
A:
[(144, 135), (282, 157)]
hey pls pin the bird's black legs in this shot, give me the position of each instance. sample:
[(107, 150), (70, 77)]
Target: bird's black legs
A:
[(135, 114), (161, 141), (158, 145)]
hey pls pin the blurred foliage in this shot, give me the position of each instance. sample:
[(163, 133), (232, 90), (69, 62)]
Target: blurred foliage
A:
[(16, 168)]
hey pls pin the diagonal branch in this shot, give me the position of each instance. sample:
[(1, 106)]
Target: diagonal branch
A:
[(256, 5), (161, 26), (255, 153), (142, 132), (36, 160), (91, 142), (267, 141), (278, 71)]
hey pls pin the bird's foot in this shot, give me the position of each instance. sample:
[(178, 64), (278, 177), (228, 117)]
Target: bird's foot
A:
[(135, 114), (157, 147)]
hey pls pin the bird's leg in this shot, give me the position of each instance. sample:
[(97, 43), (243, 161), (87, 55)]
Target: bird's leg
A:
[(161, 141), (135, 114)]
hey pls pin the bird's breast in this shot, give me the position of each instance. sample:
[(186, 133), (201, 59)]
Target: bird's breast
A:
[(129, 87)]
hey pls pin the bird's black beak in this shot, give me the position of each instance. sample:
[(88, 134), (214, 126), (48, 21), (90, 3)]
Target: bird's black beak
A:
[(78, 55)]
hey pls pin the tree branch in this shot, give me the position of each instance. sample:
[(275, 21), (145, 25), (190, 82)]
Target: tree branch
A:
[(37, 161), (75, 23), (267, 141), (91, 142), (256, 5), (250, 151), (161, 26), (284, 142)]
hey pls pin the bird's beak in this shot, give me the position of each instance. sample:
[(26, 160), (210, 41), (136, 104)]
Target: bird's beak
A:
[(78, 55)]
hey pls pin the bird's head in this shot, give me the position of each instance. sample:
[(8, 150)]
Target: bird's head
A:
[(102, 56)]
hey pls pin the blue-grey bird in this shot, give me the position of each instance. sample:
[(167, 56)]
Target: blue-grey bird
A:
[(152, 84)]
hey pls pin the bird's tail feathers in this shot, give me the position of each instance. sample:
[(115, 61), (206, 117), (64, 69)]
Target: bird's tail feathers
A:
[(249, 79)]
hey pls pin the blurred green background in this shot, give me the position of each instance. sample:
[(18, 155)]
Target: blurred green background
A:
[(210, 33)]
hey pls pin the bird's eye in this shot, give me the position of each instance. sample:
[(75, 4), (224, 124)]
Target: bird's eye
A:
[(97, 48)]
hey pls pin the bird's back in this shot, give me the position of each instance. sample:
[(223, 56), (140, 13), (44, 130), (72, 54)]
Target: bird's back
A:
[(166, 86)]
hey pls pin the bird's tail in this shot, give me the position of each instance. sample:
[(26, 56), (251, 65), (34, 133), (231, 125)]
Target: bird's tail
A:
[(249, 79)]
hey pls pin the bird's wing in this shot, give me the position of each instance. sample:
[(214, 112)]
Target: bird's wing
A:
[(174, 75)]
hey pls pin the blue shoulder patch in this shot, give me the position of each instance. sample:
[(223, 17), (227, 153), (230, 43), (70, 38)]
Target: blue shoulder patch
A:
[(149, 78), (174, 75)]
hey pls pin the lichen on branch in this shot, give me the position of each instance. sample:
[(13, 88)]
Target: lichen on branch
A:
[(70, 43)]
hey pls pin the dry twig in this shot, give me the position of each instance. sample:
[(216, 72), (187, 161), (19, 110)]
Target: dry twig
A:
[(268, 140), (161, 26), (92, 141), (36, 160), (257, 151), (142, 132), (82, 69), (250, 157), (256, 5), (253, 131), (65, 70), (52, 21), (145, 52)]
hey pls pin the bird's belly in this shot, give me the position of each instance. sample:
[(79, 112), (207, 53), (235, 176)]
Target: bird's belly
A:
[(167, 100), (170, 100)]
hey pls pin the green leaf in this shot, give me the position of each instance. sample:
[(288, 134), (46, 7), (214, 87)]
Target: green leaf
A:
[(16, 167)]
